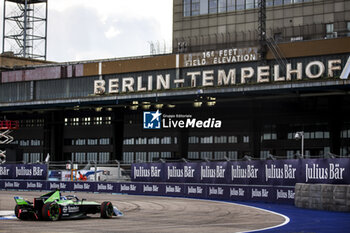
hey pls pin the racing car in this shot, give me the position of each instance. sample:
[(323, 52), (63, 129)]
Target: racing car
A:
[(53, 206)]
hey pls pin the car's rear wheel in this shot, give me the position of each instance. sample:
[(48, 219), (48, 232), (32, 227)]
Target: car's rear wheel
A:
[(19, 214), (51, 211), (106, 209)]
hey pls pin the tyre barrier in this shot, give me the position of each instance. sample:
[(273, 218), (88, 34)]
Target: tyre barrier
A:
[(322, 197)]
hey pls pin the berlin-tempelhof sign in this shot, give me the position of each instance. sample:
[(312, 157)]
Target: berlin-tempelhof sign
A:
[(216, 76)]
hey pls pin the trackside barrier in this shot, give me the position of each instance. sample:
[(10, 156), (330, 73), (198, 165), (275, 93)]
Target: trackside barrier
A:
[(322, 196), (23, 171), (286, 172), (272, 194)]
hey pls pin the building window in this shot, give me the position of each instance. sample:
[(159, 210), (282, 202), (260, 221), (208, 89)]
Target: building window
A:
[(98, 120), (269, 3), (329, 28), (193, 155), (221, 139), (193, 140), (26, 157), (269, 132), (290, 154), (326, 150), (195, 7), (35, 142), (128, 157), (165, 140), (306, 153), (330, 31), (79, 157), (105, 141), (296, 38), (36, 157), (141, 157), (92, 156), (278, 37), (104, 157), (319, 135), (14, 142), (206, 155), (345, 151), (222, 6), (203, 7), (153, 141), (75, 121), (86, 121), (240, 4), (312, 135), (152, 156), (32, 157), (129, 141), (40, 122), (278, 2), (231, 5), (345, 133), (92, 142), (269, 136), (213, 6), (24, 142), (165, 155), (31, 123), (108, 120), (245, 139), (233, 155), (207, 140), (249, 4), (141, 141), (264, 154), (219, 155), (80, 142), (348, 27), (232, 139), (187, 8)]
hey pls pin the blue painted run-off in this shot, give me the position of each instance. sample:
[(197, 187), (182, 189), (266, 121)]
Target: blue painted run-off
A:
[(306, 220)]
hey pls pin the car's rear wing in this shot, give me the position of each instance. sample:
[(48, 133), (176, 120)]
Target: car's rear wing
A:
[(51, 196), (20, 201)]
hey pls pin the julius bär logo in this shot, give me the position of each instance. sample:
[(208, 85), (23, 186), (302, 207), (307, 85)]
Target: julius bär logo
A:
[(152, 120)]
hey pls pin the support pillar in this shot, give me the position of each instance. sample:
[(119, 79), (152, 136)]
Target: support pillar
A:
[(118, 133), (335, 122), (53, 135)]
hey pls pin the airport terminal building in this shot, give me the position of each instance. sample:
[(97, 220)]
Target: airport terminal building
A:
[(214, 98)]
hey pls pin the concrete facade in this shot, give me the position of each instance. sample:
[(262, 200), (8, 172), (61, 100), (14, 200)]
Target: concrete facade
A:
[(298, 21)]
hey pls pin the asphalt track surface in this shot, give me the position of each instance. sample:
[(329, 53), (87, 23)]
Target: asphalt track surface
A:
[(149, 214)]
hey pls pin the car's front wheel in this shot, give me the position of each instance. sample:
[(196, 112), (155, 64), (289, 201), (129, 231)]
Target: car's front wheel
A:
[(106, 209), (51, 211)]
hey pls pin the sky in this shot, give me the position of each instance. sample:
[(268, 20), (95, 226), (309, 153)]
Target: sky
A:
[(100, 29)]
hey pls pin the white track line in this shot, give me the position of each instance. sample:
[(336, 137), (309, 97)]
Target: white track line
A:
[(286, 219)]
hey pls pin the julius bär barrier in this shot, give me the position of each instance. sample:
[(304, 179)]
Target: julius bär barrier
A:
[(263, 181)]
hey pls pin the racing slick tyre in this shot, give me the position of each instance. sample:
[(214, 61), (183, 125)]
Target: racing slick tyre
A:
[(51, 211), (18, 213), (107, 209)]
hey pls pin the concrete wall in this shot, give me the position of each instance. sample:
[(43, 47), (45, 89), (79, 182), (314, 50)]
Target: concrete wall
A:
[(322, 196)]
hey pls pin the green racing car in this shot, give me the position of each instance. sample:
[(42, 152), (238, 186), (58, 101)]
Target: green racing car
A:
[(53, 206)]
